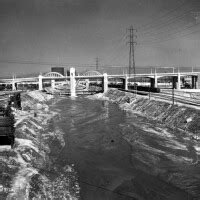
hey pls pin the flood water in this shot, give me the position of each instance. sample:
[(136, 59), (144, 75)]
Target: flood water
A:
[(160, 163)]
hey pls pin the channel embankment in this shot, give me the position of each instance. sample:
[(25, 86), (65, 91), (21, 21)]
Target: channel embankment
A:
[(28, 170), (164, 137), (177, 117)]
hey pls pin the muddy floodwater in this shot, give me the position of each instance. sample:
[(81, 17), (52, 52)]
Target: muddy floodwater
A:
[(121, 155)]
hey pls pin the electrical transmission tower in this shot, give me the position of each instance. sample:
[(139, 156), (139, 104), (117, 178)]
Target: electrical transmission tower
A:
[(97, 63), (132, 43)]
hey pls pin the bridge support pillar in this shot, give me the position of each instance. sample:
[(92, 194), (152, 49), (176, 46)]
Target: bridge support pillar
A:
[(198, 81), (125, 82), (13, 85), (179, 81), (152, 82), (87, 81), (155, 80), (72, 82), (53, 84), (40, 82), (194, 82), (105, 82), (174, 80)]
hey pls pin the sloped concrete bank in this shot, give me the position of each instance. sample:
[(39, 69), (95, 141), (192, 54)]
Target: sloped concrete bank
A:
[(186, 119), (165, 138), (28, 170)]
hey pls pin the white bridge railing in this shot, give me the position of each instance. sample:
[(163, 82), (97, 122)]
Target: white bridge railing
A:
[(72, 79)]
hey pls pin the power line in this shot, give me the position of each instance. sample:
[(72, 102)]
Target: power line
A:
[(167, 23), (165, 27), (156, 41), (169, 30), (117, 49), (23, 62), (120, 53), (119, 57), (170, 25), (147, 25), (177, 31), (46, 63)]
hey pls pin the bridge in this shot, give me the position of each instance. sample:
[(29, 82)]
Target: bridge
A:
[(73, 80)]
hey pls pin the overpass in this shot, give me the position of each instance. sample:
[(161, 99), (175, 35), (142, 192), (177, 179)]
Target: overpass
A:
[(54, 77)]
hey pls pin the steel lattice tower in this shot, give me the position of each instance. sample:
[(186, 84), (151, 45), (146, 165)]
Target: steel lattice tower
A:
[(132, 44)]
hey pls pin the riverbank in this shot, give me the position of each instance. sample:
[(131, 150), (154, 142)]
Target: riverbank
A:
[(28, 170), (173, 116), (173, 154)]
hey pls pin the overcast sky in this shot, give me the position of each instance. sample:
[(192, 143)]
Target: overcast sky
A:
[(35, 32)]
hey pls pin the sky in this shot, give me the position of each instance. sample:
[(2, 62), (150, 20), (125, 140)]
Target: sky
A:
[(36, 35)]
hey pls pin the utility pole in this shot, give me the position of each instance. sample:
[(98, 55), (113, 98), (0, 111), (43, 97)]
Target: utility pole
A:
[(97, 63), (132, 43)]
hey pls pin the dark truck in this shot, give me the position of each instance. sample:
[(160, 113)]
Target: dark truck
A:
[(7, 128), (7, 121)]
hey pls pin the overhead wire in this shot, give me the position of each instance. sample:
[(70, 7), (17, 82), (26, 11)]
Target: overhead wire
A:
[(119, 59), (119, 53), (174, 34), (46, 63), (168, 28), (167, 23), (196, 31), (21, 62), (146, 26), (118, 49)]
